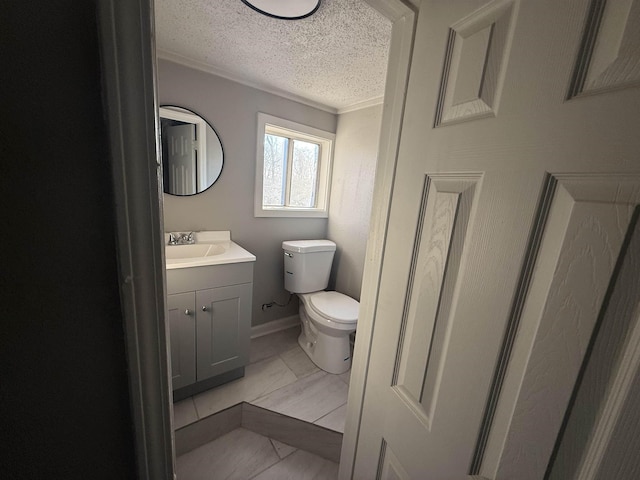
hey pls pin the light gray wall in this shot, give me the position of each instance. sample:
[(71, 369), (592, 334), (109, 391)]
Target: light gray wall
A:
[(232, 109), (354, 169)]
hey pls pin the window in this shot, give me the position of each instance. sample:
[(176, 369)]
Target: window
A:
[(293, 168)]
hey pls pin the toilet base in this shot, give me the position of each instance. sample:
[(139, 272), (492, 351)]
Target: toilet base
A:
[(331, 354)]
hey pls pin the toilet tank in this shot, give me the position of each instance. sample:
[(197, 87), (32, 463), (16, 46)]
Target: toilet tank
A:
[(307, 265)]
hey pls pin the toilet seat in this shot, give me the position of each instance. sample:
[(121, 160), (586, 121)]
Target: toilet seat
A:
[(335, 306), (328, 319)]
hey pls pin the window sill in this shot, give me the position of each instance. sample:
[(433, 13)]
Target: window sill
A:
[(291, 212)]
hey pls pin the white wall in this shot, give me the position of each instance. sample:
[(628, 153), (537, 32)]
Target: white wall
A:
[(232, 108), (354, 167)]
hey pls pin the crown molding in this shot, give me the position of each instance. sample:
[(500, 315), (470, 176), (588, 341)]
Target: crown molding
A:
[(219, 72), (372, 102), (204, 67)]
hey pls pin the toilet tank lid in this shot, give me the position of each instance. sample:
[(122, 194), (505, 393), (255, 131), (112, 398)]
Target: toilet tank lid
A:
[(307, 246)]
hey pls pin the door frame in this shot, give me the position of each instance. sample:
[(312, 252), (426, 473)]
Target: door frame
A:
[(129, 77), (128, 66), (403, 16)]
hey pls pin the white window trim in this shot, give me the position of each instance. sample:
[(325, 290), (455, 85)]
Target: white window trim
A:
[(327, 139)]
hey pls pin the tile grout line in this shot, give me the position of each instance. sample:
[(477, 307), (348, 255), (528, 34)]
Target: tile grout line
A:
[(258, 398), (269, 393), (282, 411), (195, 406), (295, 449), (272, 465), (326, 415), (277, 352), (252, 399), (274, 447), (277, 389)]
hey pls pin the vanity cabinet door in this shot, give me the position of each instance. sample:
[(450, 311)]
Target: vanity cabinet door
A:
[(223, 326), (182, 338)]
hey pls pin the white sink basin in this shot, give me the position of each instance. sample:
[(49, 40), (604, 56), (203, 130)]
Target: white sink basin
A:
[(198, 250), (211, 248)]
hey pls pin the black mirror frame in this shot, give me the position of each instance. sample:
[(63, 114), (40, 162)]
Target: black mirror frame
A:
[(164, 190)]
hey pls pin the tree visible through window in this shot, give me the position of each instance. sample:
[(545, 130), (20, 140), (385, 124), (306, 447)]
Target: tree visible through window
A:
[(304, 174), (290, 172), (294, 168), (275, 168)]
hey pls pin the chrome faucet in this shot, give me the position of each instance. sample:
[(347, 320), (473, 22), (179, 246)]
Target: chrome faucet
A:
[(181, 238)]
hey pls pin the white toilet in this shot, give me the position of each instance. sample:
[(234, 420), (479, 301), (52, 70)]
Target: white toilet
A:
[(327, 317)]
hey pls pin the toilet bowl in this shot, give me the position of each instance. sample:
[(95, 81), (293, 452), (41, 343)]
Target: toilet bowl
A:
[(327, 317)]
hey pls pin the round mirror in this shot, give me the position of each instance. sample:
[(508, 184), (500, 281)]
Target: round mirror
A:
[(192, 155)]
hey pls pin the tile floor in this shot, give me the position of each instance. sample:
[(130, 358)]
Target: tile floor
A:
[(281, 378), (242, 454)]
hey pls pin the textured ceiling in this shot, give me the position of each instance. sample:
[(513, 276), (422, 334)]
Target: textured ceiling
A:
[(336, 58)]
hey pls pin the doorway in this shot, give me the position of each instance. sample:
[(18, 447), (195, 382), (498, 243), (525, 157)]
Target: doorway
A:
[(130, 92)]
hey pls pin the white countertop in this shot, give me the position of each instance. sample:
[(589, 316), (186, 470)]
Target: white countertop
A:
[(233, 253)]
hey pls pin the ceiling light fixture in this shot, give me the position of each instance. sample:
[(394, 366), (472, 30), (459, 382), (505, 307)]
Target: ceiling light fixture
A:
[(284, 9)]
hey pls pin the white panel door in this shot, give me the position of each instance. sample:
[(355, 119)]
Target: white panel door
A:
[(181, 141), (514, 202)]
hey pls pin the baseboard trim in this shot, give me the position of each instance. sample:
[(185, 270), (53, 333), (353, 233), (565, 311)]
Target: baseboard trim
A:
[(275, 326)]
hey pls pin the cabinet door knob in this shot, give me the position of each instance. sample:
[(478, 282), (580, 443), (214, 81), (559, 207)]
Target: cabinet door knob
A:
[(187, 312), (204, 308)]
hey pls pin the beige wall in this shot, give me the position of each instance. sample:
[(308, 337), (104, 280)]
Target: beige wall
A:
[(232, 108), (354, 168)]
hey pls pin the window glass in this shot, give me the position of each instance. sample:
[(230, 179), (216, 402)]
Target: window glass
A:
[(275, 170), (304, 174)]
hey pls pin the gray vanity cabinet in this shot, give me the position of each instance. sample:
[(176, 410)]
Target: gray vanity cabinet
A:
[(209, 327)]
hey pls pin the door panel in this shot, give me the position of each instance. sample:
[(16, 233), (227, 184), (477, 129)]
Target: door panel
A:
[(224, 321), (588, 222), (390, 466), (497, 264), (601, 438), (475, 62), (182, 335), (609, 55), (443, 220), (182, 158)]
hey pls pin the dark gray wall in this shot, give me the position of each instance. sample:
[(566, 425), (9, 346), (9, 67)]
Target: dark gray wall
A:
[(64, 394), (232, 109)]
